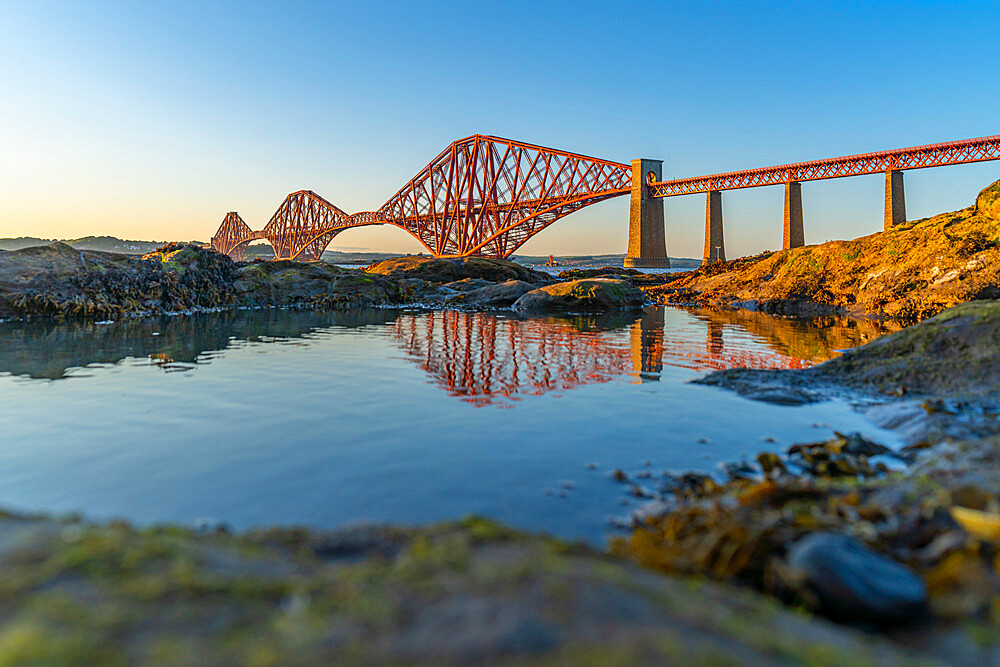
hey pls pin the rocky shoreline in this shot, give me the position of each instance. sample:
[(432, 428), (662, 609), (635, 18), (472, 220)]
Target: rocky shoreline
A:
[(904, 541), (906, 274), (829, 552), (57, 281)]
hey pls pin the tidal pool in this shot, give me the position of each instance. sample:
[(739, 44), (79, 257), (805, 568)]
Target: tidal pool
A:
[(327, 419)]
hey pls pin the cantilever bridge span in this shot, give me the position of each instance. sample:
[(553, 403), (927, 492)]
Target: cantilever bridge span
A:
[(482, 195), (485, 195)]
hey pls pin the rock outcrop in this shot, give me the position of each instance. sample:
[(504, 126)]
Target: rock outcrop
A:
[(582, 295), (448, 270), (910, 272)]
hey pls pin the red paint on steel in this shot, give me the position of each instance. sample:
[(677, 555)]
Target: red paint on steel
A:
[(917, 157), (482, 195)]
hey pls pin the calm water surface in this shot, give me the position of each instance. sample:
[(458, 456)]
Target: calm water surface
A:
[(326, 419)]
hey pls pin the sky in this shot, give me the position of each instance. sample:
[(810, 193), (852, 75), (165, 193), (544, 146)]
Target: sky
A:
[(152, 120)]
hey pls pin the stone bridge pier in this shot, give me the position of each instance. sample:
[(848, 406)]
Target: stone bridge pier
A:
[(895, 199), (647, 241)]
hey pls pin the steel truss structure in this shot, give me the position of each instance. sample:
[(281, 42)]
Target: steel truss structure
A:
[(482, 195), (918, 157)]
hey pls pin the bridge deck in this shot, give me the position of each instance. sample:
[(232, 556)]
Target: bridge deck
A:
[(917, 157)]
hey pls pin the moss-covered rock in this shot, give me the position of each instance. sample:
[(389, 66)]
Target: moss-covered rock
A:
[(582, 295), (954, 355), (313, 285), (468, 591), (60, 281), (448, 270)]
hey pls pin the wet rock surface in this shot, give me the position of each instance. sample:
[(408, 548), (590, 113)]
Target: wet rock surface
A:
[(500, 295), (582, 295), (866, 536), (851, 581)]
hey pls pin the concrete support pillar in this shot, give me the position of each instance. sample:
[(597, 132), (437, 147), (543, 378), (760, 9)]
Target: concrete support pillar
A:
[(895, 200), (794, 235), (715, 246), (647, 242)]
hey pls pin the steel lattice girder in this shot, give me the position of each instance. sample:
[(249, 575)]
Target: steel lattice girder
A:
[(487, 195), (482, 195), (917, 157)]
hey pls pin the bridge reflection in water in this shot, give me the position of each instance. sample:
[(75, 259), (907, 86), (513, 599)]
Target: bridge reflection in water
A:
[(483, 358), (488, 359)]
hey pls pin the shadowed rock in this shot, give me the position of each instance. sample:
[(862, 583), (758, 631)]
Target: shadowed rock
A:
[(851, 581)]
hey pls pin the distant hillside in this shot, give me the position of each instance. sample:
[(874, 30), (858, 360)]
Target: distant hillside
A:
[(103, 243)]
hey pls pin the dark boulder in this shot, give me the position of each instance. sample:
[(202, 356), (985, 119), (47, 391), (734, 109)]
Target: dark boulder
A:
[(847, 580)]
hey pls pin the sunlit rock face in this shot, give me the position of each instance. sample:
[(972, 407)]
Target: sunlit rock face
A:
[(908, 273)]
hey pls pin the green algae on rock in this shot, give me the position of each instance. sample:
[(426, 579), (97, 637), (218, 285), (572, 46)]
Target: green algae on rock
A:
[(584, 294), (437, 270), (458, 592), (311, 285), (953, 355), (59, 281), (746, 529)]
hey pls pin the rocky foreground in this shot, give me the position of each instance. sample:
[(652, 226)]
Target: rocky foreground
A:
[(76, 593), (905, 541), (906, 274), (58, 281)]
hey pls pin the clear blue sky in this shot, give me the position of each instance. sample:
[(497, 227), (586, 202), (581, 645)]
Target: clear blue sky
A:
[(151, 120)]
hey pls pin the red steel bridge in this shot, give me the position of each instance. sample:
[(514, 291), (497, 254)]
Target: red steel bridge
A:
[(486, 196)]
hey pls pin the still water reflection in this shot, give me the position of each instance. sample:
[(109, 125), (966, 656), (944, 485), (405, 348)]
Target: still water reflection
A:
[(259, 417)]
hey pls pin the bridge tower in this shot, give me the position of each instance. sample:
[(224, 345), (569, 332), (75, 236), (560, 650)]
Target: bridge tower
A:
[(647, 242)]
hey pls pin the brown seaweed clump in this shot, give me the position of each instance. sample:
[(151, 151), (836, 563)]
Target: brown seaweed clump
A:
[(743, 529)]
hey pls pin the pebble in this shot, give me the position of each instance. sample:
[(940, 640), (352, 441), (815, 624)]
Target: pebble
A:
[(853, 581), (619, 475)]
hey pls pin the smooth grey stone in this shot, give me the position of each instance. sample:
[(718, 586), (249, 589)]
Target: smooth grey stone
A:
[(853, 582)]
